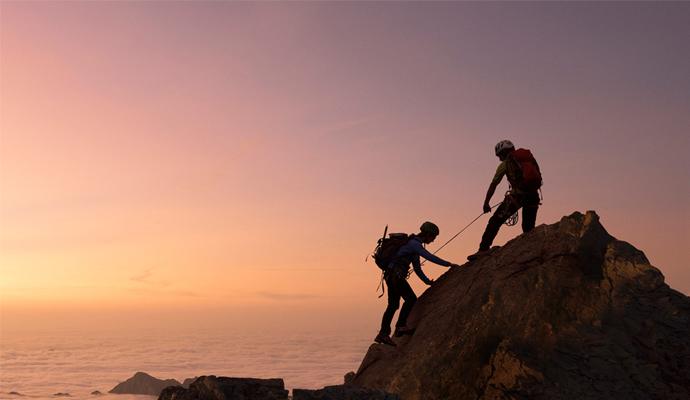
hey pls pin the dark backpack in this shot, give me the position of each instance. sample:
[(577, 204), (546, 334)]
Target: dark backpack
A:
[(527, 170), (387, 248)]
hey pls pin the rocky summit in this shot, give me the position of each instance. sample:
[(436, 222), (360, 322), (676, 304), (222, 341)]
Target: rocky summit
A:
[(565, 311)]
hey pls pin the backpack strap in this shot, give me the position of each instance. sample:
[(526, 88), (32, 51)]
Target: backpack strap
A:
[(382, 285), (395, 259)]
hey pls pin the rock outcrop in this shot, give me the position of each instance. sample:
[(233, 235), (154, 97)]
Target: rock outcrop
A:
[(188, 381), (222, 388), (349, 377), (143, 383), (563, 312)]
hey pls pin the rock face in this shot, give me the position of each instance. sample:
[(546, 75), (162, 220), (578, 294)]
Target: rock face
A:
[(188, 382), (222, 388), (349, 377), (143, 383), (563, 312), (342, 392)]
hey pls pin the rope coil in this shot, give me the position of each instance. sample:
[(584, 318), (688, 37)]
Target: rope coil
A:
[(512, 220)]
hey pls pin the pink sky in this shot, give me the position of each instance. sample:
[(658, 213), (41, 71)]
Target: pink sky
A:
[(246, 156)]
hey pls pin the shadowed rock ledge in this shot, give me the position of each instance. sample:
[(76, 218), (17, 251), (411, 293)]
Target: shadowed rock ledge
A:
[(222, 388), (563, 312), (343, 392)]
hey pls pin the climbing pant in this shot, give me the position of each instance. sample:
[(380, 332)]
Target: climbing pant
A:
[(529, 202), (397, 287)]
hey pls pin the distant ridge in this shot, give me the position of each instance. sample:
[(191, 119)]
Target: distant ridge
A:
[(143, 383)]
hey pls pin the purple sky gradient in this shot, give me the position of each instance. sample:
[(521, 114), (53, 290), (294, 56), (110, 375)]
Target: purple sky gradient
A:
[(261, 136)]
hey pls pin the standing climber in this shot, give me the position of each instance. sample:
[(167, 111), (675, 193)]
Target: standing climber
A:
[(396, 279), (524, 176)]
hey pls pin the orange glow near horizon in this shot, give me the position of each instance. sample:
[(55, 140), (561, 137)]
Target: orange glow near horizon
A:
[(253, 160)]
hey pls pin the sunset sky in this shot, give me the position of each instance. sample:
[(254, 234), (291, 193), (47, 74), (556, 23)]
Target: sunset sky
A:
[(242, 159)]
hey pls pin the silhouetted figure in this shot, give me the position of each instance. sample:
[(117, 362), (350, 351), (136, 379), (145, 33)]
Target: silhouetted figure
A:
[(524, 176), (396, 279)]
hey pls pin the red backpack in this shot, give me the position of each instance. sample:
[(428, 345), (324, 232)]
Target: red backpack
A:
[(528, 174)]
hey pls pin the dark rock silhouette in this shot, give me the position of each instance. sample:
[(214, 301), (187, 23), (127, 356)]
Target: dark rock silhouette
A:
[(188, 382), (143, 383), (563, 312), (62, 395), (96, 393), (349, 377), (222, 388), (15, 394), (342, 392)]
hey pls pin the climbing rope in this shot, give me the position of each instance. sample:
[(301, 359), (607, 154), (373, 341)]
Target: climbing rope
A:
[(461, 231)]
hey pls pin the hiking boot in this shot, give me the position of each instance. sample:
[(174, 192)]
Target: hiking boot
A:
[(401, 331), (481, 253), (477, 255), (384, 339)]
